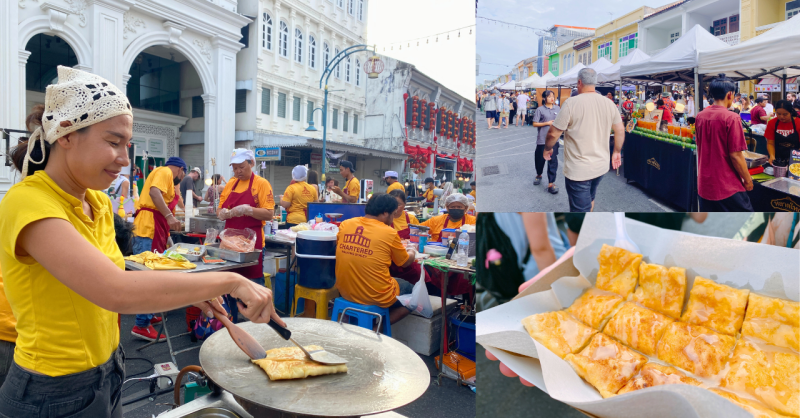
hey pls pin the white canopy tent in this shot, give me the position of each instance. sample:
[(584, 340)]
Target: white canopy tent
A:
[(681, 56), (773, 52), (527, 83), (511, 85), (542, 81), (612, 74), (562, 79), (571, 79)]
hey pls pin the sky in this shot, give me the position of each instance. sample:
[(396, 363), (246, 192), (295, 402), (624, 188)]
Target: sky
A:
[(450, 62), (497, 44)]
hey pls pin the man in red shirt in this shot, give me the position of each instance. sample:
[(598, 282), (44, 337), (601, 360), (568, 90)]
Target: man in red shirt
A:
[(758, 115), (722, 177)]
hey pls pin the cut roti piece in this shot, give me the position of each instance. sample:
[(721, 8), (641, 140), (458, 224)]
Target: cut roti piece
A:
[(696, 349), (290, 363), (606, 364), (654, 374), (638, 327), (595, 307), (716, 306), (661, 289), (559, 331), (776, 321), (619, 270), (758, 409)]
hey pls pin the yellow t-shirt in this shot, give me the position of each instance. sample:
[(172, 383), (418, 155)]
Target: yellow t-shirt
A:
[(8, 323), (365, 249), (60, 332), (395, 186), (428, 195), (401, 224), (160, 178), (472, 193), (352, 187), (298, 194), (438, 223), (261, 190)]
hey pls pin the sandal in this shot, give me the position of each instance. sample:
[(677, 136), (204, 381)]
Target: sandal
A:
[(537, 181), (552, 189)]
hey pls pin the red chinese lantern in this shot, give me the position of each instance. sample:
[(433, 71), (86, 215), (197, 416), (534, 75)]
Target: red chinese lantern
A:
[(422, 119), (373, 67), (431, 117), (414, 106)]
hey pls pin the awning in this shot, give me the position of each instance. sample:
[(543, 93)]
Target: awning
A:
[(283, 141)]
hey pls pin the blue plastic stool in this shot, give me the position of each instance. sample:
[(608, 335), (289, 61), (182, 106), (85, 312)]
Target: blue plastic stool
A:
[(363, 313)]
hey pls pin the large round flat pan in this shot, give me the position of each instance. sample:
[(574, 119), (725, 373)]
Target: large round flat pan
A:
[(383, 374)]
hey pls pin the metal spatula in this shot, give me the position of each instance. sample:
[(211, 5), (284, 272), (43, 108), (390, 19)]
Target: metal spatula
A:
[(245, 341), (320, 356)]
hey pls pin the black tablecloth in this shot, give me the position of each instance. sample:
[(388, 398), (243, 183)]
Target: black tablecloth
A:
[(664, 170), (765, 199)]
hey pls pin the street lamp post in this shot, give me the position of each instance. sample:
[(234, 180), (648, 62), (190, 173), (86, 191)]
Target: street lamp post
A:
[(323, 81)]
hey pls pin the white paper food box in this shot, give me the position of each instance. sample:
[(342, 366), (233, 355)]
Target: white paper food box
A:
[(763, 269)]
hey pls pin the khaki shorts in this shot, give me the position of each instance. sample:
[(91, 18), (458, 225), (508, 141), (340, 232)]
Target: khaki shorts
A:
[(503, 114)]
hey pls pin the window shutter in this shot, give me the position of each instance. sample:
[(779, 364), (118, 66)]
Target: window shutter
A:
[(355, 124), (344, 125), (281, 105), (335, 119), (266, 96), (241, 101), (310, 111), (296, 108)]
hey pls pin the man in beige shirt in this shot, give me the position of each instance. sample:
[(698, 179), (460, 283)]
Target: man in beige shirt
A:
[(586, 121)]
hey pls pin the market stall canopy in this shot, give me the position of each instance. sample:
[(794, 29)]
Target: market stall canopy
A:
[(775, 49), (572, 79), (676, 62), (562, 79), (511, 85), (612, 74), (527, 83), (542, 81)]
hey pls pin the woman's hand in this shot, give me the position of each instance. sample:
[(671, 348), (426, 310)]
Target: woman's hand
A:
[(505, 371), (224, 214), (256, 302), (209, 307)]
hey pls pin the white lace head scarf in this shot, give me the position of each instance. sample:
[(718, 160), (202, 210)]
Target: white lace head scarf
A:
[(80, 98)]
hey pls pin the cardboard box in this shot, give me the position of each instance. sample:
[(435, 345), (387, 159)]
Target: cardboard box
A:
[(766, 270), (423, 335)]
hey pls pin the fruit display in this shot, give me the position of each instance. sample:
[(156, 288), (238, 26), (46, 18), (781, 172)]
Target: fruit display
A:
[(679, 136)]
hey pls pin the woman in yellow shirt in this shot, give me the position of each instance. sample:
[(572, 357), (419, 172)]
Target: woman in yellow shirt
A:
[(455, 217), (63, 272), (297, 196), (401, 219)]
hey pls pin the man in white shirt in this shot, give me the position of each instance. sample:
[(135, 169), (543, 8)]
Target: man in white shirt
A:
[(522, 106), (769, 107)]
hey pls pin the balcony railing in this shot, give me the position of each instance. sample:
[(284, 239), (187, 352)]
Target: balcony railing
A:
[(730, 38)]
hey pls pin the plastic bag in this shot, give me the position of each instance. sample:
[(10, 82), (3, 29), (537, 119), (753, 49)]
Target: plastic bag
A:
[(325, 226), (239, 240), (211, 236), (418, 300)]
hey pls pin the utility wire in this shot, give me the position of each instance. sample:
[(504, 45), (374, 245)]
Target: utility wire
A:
[(502, 22), (409, 43)]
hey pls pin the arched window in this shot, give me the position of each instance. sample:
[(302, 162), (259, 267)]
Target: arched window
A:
[(266, 31), (312, 52), (298, 45), (283, 41), (358, 72), (361, 10), (47, 53), (326, 55), (347, 69), (336, 70), (340, 3), (351, 7)]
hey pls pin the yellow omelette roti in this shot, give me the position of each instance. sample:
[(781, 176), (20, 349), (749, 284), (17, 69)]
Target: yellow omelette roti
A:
[(290, 363)]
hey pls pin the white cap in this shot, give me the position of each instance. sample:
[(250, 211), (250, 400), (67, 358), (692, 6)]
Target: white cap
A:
[(241, 155), (470, 198), (299, 173), (197, 169), (456, 197), (390, 174)]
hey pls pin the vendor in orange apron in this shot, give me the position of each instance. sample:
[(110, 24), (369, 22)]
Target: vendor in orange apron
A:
[(781, 132), (428, 195), (456, 217), (352, 188), (297, 196), (402, 221), (246, 202)]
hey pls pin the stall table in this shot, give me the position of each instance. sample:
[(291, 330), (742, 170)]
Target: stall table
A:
[(766, 199), (283, 247), (666, 171), (201, 268), (463, 276)]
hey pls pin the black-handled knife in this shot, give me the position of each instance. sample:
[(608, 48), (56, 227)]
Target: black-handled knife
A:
[(282, 331)]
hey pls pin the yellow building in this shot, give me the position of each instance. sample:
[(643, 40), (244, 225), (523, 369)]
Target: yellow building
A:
[(614, 39), (759, 16)]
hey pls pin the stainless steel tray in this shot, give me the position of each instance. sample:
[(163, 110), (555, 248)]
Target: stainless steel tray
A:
[(754, 159), (229, 255), (190, 247), (785, 185)]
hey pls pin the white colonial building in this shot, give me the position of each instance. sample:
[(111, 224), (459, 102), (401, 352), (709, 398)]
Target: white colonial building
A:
[(175, 58), (287, 48)]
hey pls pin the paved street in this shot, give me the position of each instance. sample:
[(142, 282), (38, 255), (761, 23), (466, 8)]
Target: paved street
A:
[(448, 400), (509, 153)]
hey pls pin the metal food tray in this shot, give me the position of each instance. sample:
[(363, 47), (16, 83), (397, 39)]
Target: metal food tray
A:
[(193, 258), (785, 185), (229, 255), (754, 159)]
